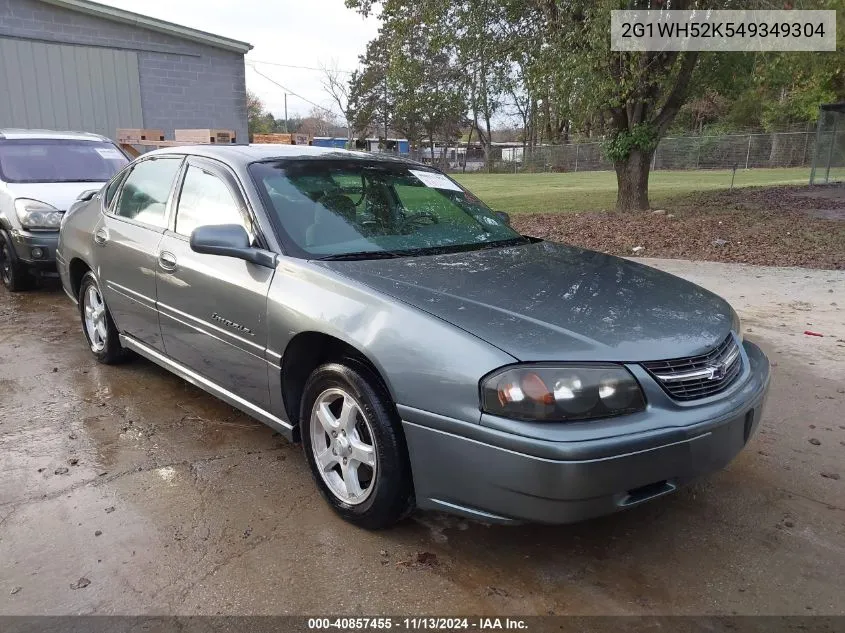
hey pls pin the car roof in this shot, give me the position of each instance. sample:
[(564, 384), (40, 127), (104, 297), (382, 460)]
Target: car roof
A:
[(19, 133), (242, 155)]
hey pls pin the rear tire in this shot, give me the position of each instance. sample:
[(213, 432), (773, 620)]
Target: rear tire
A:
[(354, 444), (97, 324), (15, 275)]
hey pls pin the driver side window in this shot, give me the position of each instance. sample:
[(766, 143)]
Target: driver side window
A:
[(206, 200)]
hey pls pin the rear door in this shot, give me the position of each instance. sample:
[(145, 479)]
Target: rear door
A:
[(214, 309), (126, 241)]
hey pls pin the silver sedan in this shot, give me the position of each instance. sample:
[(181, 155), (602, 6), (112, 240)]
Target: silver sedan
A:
[(423, 352)]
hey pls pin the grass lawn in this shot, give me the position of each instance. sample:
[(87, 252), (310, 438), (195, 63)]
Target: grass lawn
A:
[(596, 190)]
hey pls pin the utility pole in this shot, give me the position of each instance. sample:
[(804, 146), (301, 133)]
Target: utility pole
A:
[(286, 113)]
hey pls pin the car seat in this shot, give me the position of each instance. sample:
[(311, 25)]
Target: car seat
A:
[(334, 215)]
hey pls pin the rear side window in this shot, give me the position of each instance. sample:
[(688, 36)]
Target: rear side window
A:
[(146, 189), (205, 200)]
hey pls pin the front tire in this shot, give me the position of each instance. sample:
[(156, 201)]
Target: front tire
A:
[(97, 324), (14, 275), (354, 444)]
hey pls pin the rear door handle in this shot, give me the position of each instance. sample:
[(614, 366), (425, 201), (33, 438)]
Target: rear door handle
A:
[(101, 236), (167, 261)]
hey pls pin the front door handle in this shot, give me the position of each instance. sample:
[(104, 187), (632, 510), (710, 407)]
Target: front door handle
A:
[(101, 236), (167, 261)]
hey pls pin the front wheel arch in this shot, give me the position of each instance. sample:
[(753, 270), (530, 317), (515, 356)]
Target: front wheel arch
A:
[(304, 353)]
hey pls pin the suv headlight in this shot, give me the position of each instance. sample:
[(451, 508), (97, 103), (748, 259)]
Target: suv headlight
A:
[(37, 215), (561, 393)]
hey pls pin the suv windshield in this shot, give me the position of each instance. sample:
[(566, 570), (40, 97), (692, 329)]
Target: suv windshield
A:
[(338, 209), (55, 160)]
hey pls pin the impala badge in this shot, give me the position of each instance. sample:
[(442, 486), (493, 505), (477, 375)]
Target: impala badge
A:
[(232, 324)]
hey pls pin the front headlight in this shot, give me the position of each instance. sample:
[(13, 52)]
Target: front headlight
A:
[(561, 393), (34, 214)]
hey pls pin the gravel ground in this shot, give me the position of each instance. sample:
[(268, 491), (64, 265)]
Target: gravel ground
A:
[(776, 226), (124, 490)]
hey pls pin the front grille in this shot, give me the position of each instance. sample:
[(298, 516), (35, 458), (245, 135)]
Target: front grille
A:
[(699, 376)]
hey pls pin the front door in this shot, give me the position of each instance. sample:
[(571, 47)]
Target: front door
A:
[(213, 309), (127, 238)]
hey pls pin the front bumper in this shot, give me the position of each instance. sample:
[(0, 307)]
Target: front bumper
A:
[(36, 250), (493, 476)]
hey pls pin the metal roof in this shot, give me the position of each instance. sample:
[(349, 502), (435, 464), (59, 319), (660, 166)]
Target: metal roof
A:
[(136, 19), (15, 133)]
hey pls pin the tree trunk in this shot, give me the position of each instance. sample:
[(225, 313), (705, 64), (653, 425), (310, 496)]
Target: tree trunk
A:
[(632, 181), (466, 155), (489, 141), (776, 152)]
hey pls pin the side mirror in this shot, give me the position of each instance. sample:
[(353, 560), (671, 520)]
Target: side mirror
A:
[(229, 240), (85, 196), (504, 217)]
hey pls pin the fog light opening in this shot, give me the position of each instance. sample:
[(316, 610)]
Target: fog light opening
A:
[(37, 253)]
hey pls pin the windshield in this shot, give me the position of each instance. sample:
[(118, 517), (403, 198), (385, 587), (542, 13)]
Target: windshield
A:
[(54, 160), (338, 208)]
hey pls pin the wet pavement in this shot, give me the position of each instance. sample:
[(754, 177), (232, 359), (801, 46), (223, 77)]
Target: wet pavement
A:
[(171, 502)]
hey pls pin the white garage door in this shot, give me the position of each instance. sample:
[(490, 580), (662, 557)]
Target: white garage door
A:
[(62, 87)]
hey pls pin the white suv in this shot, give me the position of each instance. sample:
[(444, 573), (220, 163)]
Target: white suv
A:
[(42, 173)]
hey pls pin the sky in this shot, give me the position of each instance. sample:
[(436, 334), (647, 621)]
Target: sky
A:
[(309, 33)]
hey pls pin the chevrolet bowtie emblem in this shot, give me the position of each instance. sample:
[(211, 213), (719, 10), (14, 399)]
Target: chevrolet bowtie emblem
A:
[(717, 372)]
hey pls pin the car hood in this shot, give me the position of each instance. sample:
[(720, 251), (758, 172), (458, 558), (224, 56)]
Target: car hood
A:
[(547, 301), (58, 194)]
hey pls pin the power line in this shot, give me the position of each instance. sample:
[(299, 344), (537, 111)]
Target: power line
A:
[(258, 61), (291, 92)]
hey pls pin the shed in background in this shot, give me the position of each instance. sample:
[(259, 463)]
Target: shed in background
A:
[(80, 65)]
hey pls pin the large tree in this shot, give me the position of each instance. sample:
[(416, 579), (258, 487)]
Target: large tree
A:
[(410, 81), (639, 93), (370, 106), (551, 61)]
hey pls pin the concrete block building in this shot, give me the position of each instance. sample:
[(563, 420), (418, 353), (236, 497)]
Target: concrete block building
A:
[(81, 65)]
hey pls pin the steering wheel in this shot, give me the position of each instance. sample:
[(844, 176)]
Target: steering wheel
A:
[(420, 218)]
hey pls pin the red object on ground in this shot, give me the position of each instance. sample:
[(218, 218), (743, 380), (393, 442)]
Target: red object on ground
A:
[(810, 333)]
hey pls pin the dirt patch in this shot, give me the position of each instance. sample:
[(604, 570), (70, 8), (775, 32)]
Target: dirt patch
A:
[(773, 226)]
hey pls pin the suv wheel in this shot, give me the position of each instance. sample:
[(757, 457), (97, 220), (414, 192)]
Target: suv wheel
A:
[(14, 275), (97, 323), (355, 447)]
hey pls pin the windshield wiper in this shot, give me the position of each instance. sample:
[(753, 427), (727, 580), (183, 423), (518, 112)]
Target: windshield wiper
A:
[(356, 255), (514, 241)]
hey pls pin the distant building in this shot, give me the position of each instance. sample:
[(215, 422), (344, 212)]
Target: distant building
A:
[(391, 145), (80, 65)]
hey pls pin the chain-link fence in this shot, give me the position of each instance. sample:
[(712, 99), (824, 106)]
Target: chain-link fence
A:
[(829, 154), (743, 151)]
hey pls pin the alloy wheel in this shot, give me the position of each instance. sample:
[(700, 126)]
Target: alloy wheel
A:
[(95, 319), (342, 441)]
